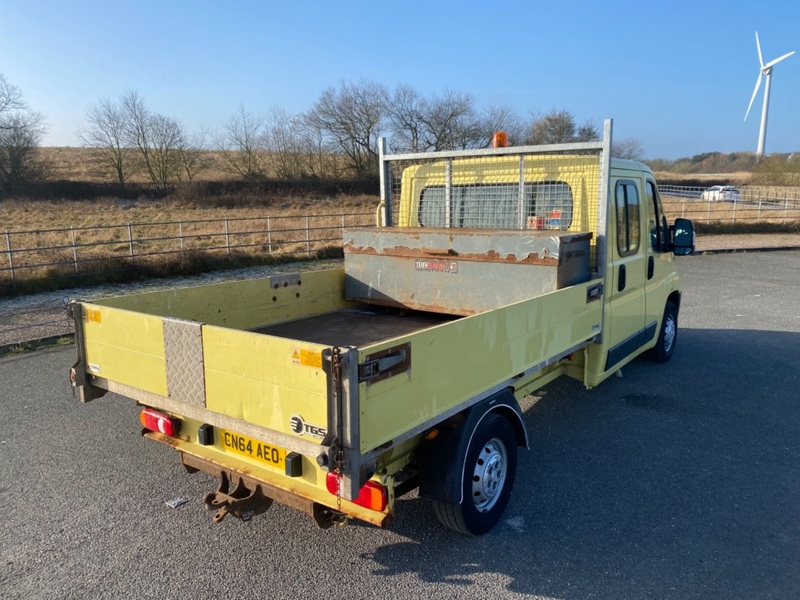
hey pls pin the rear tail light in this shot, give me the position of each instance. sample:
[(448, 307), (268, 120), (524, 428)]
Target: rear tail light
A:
[(373, 495), (159, 422)]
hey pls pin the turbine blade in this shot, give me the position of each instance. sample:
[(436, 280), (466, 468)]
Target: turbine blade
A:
[(758, 47), (777, 60), (753, 97)]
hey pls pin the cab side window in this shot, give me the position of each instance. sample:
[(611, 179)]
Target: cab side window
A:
[(627, 205), (656, 222)]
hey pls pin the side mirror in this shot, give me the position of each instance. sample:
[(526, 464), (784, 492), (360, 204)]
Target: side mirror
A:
[(683, 237)]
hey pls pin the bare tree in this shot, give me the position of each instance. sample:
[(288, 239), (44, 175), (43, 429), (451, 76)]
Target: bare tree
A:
[(129, 138), (282, 139), (242, 145), (629, 148), (156, 137), (318, 154), (450, 122), (21, 130), (162, 157), (502, 118), (11, 101), (137, 129), (351, 116), (559, 127), (192, 154), (106, 134), (587, 132), (447, 122), (404, 110)]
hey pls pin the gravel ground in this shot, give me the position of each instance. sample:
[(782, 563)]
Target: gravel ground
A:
[(39, 316)]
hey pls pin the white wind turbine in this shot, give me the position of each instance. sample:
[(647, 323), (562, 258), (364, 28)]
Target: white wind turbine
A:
[(766, 71)]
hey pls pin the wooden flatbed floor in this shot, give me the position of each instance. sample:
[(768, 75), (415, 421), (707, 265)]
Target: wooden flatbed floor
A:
[(355, 326)]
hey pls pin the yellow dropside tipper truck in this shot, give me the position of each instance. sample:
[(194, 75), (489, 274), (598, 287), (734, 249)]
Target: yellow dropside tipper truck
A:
[(337, 391)]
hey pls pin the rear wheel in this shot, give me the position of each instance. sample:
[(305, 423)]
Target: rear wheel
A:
[(668, 335), (487, 479)]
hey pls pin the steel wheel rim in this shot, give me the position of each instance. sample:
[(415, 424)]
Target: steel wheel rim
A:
[(670, 331), (489, 475)]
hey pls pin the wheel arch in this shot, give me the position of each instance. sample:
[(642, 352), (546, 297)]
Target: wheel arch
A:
[(436, 456), (675, 298)]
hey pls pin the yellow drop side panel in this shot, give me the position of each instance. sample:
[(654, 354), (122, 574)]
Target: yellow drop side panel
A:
[(453, 362), (263, 379), (125, 347), (242, 304), (245, 372)]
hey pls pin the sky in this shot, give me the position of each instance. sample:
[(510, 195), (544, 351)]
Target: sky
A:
[(676, 75)]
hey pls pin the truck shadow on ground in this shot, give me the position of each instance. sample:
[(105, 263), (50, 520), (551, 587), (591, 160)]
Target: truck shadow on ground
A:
[(677, 480)]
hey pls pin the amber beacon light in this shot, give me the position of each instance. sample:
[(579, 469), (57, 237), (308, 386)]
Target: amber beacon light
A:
[(500, 140)]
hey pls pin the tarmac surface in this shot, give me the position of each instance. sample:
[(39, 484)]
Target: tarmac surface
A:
[(676, 481)]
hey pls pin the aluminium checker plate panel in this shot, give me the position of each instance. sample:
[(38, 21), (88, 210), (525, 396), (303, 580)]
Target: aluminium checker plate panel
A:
[(183, 351)]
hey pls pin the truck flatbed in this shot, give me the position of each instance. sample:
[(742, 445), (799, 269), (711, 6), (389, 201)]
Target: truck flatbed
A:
[(355, 326)]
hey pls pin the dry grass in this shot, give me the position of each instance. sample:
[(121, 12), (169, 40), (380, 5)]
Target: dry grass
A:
[(56, 243), (20, 215), (739, 178), (80, 164), (186, 234)]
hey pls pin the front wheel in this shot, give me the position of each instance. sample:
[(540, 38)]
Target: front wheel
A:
[(668, 335), (487, 479)]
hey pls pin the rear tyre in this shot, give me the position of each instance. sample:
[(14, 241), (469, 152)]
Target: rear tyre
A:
[(668, 336), (487, 479)]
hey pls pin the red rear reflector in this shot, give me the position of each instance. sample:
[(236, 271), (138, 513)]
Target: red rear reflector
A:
[(159, 422), (373, 495)]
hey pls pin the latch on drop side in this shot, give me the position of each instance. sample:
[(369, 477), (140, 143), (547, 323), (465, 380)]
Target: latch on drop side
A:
[(386, 363)]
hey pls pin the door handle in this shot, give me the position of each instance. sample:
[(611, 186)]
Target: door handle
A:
[(651, 267), (622, 278)]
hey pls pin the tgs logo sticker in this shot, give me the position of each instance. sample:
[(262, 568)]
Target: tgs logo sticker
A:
[(300, 427)]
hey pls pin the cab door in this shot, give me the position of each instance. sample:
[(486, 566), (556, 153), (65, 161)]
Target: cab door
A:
[(625, 322), (660, 262)]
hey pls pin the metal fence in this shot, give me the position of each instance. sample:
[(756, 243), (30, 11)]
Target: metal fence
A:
[(750, 204), (81, 251)]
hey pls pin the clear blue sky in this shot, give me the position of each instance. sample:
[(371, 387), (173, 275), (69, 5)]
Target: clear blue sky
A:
[(676, 75)]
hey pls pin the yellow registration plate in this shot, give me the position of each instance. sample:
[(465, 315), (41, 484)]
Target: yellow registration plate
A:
[(273, 456)]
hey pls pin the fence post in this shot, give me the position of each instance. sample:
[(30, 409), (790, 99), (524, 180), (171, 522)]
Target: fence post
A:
[(308, 235), (269, 234), (74, 249), (10, 259), (785, 208), (130, 242), (180, 235), (227, 237), (735, 203)]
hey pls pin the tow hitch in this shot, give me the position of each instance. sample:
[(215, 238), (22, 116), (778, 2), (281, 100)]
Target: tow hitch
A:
[(243, 503)]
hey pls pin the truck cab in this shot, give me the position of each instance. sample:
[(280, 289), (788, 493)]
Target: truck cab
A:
[(617, 201)]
